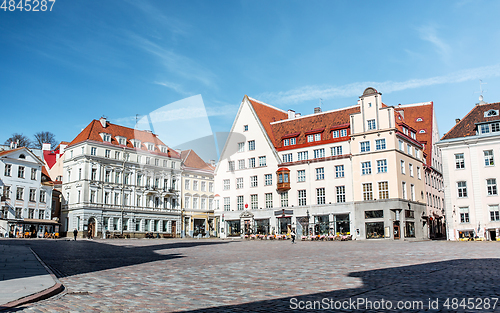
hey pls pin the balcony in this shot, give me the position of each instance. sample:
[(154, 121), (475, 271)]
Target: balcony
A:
[(283, 179)]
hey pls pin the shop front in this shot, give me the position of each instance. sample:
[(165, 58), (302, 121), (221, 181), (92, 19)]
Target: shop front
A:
[(233, 228), (34, 228), (321, 225), (283, 221)]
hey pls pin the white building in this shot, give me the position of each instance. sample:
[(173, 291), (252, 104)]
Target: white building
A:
[(26, 201), (120, 181), (471, 172), (353, 171)]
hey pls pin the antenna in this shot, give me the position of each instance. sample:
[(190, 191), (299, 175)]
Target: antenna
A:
[(136, 118), (320, 103)]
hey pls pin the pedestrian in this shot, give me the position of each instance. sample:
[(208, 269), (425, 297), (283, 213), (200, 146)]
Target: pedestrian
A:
[(75, 232), (293, 236)]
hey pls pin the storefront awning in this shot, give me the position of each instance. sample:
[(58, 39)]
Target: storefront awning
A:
[(38, 221)]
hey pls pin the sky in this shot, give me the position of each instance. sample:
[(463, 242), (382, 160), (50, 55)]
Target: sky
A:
[(85, 59)]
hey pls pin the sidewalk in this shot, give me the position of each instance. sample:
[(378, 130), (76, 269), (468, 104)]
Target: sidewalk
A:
[(24, 278)]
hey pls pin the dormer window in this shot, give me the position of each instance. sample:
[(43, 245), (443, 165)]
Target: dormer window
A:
[(413, 135), (491, 113), (150, 146), (422, 131), (495, 127), (485, 128), (163, 149), (121, 140), (420, 119), (405, 130), (286, 142), (136, 143), (106, 137)]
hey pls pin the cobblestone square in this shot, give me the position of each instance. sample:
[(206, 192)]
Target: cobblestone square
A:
[(162, 275)]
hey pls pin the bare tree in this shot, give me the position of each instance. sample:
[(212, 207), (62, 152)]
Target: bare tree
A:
[(23, 140), (44, 137)]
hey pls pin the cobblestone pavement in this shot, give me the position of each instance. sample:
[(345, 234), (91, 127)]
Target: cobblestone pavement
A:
[(162, 275)]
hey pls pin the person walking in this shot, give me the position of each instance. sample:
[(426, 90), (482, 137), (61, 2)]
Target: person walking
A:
[(293, 236), (75, 232)]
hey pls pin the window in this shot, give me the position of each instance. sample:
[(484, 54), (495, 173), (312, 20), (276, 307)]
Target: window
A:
[(203, 186), (239, 203), (268, 179), (403, 169), (253, 181), (32, 195), (195, 202), (317, 137), (186, 184), (148, 160), (412, 192), (107, 153), (93, 151), (374, 230), (410, 167), (319, 153), (241, 146), (8, 169), (106, 137), (383, 190), (33, 173), (251, 145), (464, 215), (488, 158), (405, 195), (371, 124), (239, 183), (20, 193), (401, 145), (31, 213), (405, 130), (422, 131), (301, 175), (251, 163), (286, 142), (367, 191), (462, 189), (293, 141), (380, 144), (485, 129), (230, 166), (42, 196), (245, 128), (151, 147), (117, 178), (165, 163), (339, 171), (335, 134), (269, 200), (320, 173), (366, 168), (374, 214), (408, 149), (310, 138), (365, 146), (254, 202), (343, 132), (284, 199), (241, 164), (494, 213), (337, 150), (340, 194), (287, 158), (210, 187), (492, 186), (302, 198), (20, 172), (320, 196), (413, 135), (195, 185), (459, 161), (382, 166), (262, 161), (225, 183), (302, 155), (418, 173), (495, 127), (227, 204)]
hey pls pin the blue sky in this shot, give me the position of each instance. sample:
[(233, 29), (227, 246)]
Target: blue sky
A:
[(85, 59)]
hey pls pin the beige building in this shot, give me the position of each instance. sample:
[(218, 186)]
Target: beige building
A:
[(197, 196)]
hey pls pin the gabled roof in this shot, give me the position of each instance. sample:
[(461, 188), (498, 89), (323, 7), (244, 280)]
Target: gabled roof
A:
[(191, 159), (425, 111), (95, 128), (7, 152), (467, 126), (267, 114)]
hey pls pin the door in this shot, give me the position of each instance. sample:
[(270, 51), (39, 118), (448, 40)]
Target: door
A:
[(173, 228), (493, 235), (396, 231), (91, 231), (248, 229)]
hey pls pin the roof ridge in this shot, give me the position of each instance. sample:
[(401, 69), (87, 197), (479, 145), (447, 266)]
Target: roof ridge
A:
[(414, 104), (316, 114), (268, 105)]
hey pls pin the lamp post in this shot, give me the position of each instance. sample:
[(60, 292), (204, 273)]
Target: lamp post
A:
[(308, 217)]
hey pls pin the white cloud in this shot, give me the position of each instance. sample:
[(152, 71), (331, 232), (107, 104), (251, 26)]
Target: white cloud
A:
[(176, 87), (308, 93), (429, 33)]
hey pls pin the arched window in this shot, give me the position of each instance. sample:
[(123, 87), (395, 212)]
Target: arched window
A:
[(22, 156)]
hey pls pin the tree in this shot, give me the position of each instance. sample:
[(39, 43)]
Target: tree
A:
[(44, 137), (23, 140)]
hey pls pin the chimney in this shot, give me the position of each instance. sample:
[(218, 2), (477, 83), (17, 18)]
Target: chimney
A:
[(103, 121), (212, 162), (317, 110), (12, 144), (297, 114), (61, 148), (457, 120), (291, 114), (46, 146)]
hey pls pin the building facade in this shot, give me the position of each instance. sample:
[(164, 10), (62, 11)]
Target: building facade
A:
[(26, 201), (354, 172), (120, 181), (197, 196), (471, 172)]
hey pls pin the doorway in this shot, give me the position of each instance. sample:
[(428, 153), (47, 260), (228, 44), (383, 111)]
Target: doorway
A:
[(397, 233), (493, 235), (248, 227), (91, 230), (173, 228)]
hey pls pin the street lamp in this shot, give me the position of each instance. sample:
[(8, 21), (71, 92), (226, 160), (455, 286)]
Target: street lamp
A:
[(308, 217)]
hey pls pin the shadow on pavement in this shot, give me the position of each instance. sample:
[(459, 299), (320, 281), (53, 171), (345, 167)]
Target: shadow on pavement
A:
[(67, 258), (417, 284)]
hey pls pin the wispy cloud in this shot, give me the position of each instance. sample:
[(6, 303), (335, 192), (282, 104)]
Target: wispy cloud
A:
[(176, 87), (308, 93), (429, 33)]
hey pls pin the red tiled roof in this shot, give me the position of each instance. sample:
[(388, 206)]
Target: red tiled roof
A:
[(93, 130), (268, 114), (191, 159), (467, 126), (424, 111)]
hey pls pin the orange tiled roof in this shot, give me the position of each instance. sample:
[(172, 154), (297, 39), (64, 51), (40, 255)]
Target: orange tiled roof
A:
[(193, 160), (95, 128), (9, 151), (467, 126), (424, 111), (268, 114)]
